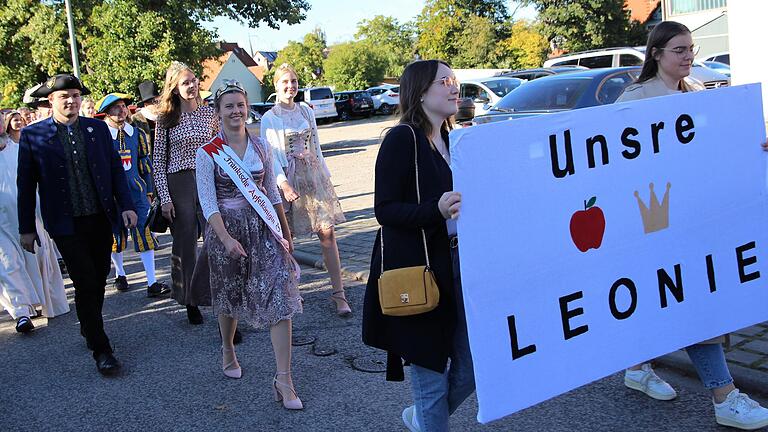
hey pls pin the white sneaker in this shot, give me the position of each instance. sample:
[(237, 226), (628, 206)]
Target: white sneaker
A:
[(741, 412), (646, 381), (409, 418)]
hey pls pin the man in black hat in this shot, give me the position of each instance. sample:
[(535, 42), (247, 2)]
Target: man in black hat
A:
[(70, 161), (146, 117)]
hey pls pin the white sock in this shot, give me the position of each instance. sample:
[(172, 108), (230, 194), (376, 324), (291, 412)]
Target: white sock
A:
[(117, 260), (148, 259)]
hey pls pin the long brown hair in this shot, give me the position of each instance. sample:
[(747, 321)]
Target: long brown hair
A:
[(169, 109), (659, 37), (415, 81)]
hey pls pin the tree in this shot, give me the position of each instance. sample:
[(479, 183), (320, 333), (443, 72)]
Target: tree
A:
[(143, 54), (121, 42), (476, 44), (446, 27), (306, 57), (395, 41), (525, 47), (354, 66), (587, 24)]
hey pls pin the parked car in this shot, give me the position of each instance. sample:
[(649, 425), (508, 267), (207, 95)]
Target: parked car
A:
[(320, 99), (253, 117), (628, 56), (718, 67), (532, 74), (262, 107), (485, 92), (562, 92), (353, 103), (386, 98), (722, 57), (466, 111)]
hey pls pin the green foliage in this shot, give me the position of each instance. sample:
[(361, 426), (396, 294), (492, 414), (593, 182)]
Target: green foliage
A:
[(524, 48), (393, 40), (145, 52), (462, 32), (577, 25), (306, 57), (121, 42), (354, 66)]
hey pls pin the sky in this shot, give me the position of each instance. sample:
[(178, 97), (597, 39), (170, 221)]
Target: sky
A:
[(337, 18)]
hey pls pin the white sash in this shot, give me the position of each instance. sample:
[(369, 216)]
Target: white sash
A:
[(226, 158)]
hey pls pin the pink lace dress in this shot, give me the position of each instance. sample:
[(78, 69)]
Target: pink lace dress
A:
[(318, 206)]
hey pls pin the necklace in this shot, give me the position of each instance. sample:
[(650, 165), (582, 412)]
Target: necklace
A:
[(445, 154)]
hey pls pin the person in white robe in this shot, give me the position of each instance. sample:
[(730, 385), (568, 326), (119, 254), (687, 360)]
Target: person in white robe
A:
[(27, 281)]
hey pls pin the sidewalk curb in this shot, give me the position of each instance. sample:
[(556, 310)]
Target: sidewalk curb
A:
[(746, 380), (316, 261)]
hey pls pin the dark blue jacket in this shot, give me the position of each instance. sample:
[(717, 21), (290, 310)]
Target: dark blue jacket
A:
[(42, 168)]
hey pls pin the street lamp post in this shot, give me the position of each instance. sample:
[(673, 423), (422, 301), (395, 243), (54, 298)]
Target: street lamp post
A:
[(73, 41)]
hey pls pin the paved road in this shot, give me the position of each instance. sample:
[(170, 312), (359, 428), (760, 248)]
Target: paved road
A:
[(173, 382)]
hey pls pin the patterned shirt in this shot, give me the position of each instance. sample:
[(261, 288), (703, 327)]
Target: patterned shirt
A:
[(85, 199), (194, 130)]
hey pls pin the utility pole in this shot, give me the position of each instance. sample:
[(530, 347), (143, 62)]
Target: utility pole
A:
[(73, 41)]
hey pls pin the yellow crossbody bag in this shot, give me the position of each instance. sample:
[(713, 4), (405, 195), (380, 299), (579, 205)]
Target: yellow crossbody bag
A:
[(410, 290)]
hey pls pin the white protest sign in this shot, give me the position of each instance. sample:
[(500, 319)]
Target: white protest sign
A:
[(574, 268)]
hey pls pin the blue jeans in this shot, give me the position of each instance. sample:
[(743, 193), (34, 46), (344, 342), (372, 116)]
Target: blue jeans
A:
[(709, 361), (437, 395)]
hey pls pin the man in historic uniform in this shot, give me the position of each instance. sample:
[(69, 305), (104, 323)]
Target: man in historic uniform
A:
[(69, 160), (145, 117), (132, 145)]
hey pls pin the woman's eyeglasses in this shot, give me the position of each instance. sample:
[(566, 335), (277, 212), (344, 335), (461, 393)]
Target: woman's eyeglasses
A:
[(450, 81), (681, 50)]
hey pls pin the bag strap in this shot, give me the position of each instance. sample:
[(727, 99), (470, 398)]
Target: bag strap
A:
[(418, 201)]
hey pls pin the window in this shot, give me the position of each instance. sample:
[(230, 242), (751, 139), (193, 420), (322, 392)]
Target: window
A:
[(630, 60), (572, 62), (376, 92), (472, 91), (612, 87), (502, 86), (546, 95), (603, 61), (677, 7), (320, 93)]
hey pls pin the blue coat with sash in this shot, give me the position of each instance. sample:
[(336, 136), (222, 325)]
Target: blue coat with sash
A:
[(42, 169)]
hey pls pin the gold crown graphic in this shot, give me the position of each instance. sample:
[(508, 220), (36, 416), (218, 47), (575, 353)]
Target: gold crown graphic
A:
[(655, 218)]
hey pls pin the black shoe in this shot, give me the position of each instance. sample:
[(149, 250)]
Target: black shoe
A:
[(24, 325), (121, 283), (194, 316), (107, 364), (157, 289)]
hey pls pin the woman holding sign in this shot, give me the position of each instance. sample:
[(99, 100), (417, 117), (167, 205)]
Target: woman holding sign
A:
[(253, 276), (668, 59), (417, 207)]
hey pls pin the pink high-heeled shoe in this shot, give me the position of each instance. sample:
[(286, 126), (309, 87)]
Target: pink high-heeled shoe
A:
[(229, 370), (339, 300), (294, 404)]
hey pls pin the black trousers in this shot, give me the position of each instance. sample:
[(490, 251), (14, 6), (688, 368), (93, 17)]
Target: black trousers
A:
[(87, 256)]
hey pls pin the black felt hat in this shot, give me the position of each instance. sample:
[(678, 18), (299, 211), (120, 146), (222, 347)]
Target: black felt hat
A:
[(147, 92), (61, 82)]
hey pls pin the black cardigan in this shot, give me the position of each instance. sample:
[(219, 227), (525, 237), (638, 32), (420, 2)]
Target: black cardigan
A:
[(425, 339)]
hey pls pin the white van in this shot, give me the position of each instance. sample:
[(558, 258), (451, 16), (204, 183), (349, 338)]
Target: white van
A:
[(320, 99), (485, 92), (628, 56)]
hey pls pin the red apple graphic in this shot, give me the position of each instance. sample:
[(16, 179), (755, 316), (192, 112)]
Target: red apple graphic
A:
[(588, 226)]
